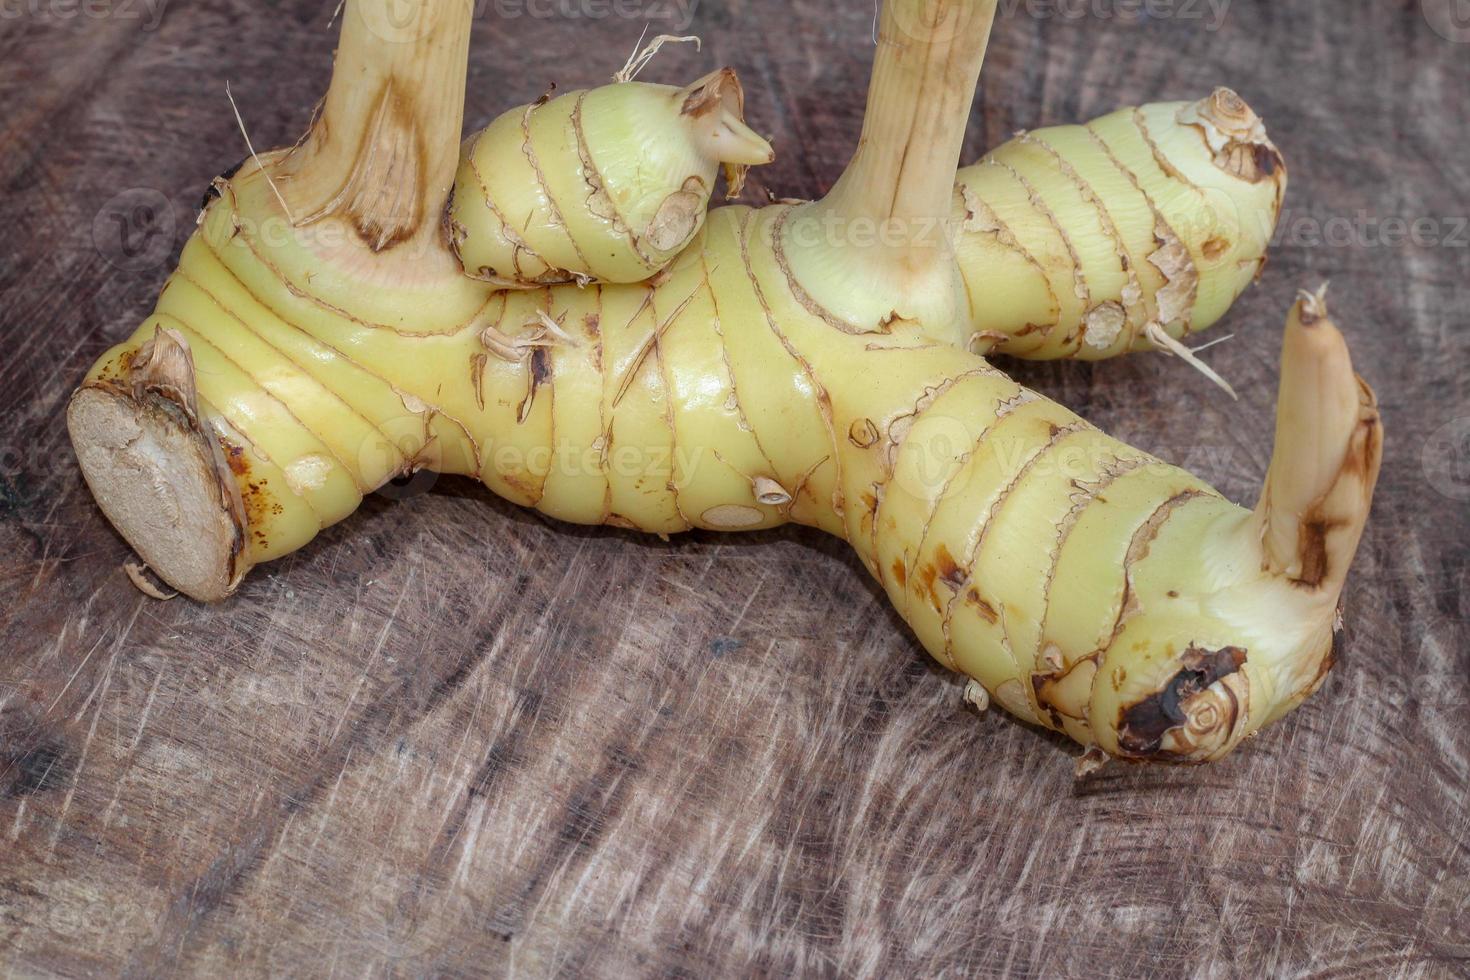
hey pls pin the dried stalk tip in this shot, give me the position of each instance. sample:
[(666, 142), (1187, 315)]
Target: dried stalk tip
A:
[(536, 334), (718, 90), (1090, 762), (640, 57), (164, 366), (1312, 307), (137, 574), (769, 492), (1162, 339), (976, 694)]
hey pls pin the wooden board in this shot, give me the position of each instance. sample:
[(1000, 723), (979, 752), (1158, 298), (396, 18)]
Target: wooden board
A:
[(452, 737)]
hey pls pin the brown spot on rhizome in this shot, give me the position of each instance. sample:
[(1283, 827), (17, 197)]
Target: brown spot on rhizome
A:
[(235, 459), (1268, 159), (984, 608), (1141, 728), (1311, 549), (948, 569)]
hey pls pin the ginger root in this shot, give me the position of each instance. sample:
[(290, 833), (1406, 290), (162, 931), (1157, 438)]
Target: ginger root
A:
[(785, 365)]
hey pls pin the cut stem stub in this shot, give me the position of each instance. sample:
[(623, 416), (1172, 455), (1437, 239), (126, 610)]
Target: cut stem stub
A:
[(159, 474)]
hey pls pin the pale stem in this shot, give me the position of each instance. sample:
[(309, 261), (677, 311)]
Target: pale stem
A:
[(878, 247), (924, 75), (1325, 462), (383, 152)]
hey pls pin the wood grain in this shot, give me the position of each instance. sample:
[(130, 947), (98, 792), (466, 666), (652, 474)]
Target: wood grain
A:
[(454, 738)]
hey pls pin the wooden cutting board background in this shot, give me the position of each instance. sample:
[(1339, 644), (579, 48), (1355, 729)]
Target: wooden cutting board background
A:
[(452, 737)]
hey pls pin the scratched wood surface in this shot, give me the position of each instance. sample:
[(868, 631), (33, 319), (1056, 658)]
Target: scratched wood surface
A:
[(453, 738)]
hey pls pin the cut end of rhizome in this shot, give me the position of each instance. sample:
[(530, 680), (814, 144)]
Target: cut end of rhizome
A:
[(156, 472)]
